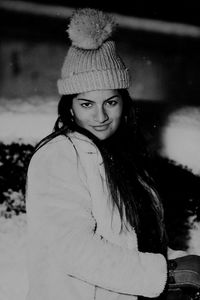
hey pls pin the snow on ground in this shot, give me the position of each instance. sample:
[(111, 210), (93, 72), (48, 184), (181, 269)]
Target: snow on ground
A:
[(13, 272), (181, 144), (181, 138), (26, 121)]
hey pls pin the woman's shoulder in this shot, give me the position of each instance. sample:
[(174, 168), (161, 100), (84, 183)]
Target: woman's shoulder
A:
[(82, 143), (59, 148), (58, 143), (63, 149)]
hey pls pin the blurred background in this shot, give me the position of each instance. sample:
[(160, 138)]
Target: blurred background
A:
[(160, 42)]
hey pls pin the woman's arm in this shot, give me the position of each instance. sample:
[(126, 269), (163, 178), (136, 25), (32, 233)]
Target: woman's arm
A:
[(59, 210)]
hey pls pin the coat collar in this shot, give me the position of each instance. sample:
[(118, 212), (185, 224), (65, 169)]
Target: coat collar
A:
[(83, 142)]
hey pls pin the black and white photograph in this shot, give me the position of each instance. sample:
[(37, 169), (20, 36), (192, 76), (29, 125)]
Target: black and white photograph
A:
[(99, 150)]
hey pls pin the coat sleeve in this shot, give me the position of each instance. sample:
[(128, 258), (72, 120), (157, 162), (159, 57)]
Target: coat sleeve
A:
[(59, 214)]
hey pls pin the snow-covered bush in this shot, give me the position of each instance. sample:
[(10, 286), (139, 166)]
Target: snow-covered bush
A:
[(14, 160), (14, 203)]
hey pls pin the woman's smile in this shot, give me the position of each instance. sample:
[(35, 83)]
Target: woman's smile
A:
[(101, 127)]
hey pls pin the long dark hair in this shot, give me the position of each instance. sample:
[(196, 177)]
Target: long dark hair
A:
[(125, 160)]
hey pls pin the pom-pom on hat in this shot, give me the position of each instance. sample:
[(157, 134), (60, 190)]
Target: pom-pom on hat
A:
[(92, 62)]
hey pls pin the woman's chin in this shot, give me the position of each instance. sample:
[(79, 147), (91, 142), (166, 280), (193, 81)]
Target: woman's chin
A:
[(102, 135)]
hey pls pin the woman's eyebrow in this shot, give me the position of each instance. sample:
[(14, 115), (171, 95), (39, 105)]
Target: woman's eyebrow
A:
[(84, 99)]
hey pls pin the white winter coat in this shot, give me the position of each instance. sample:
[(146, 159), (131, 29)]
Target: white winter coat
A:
[(76, 250)]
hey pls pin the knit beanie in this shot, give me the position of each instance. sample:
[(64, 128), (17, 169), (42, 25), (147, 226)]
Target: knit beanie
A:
[(92, 62)]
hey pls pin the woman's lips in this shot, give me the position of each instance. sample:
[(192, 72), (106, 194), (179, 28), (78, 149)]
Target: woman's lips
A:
[(101, 127)]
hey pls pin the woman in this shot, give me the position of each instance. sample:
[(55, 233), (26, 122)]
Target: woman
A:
[(95, 223)]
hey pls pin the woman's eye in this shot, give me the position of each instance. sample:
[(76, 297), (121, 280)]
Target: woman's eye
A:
[(112, 103), (86, 105)]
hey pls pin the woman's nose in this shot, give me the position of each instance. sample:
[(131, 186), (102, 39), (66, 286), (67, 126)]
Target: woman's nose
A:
[(101, 115)]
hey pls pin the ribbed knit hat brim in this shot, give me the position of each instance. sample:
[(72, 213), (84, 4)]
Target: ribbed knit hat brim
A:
[(87, 70), (94, 80)]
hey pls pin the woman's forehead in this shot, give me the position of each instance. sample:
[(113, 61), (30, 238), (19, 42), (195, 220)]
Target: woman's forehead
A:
[(98, 95)]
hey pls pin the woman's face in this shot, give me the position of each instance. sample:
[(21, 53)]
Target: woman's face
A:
[(98, 111)]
